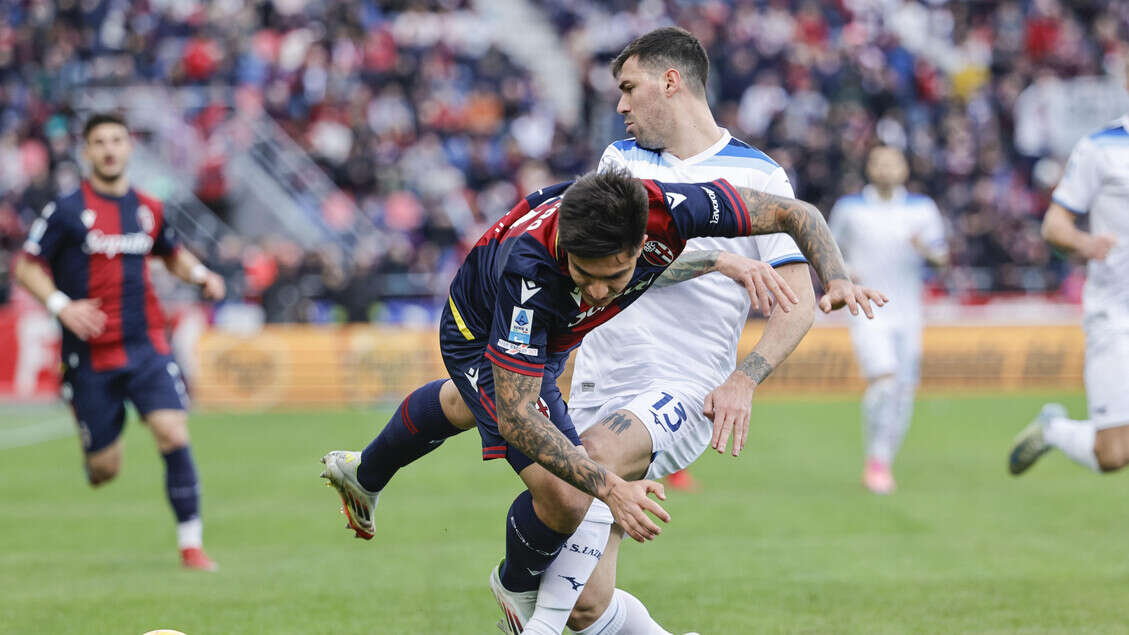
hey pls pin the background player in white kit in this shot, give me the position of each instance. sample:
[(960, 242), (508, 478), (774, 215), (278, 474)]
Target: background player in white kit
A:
[(886, 234), (1096, 183), (673, 366)]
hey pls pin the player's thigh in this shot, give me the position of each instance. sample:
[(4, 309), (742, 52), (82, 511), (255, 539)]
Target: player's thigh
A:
[(621, 442), (97, 400), (1107, 375), (597, 593), (557, 503), (169, 428), (875, 348), (454, 408), (677, 432)]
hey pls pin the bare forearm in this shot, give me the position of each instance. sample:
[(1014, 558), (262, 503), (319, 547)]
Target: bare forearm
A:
[(1060, 231), (784, 329), (33, 277), (689, 265), (184, 265), (535, 436), (771, 214)]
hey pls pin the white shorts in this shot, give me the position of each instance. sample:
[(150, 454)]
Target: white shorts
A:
[(885, 348), (679, 431), (1107, 376)]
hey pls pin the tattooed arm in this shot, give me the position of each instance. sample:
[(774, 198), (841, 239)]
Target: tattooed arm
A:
[(770, 214), (760, 279), (729, 405), (525, 428)]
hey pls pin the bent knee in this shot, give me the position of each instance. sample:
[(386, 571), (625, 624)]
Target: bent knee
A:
[(100, 473), (1111, 456), (563, 508)]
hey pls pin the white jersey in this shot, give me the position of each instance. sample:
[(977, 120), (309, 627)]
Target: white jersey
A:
[(1096, 182), (877, 237), (687, 332)]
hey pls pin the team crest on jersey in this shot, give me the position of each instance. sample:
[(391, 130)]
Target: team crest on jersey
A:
[(657, 253), (87, 217), (145, 219), (521, 325)]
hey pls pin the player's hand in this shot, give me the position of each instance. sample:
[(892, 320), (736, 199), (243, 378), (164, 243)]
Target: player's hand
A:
[(760, 279), (729, 407), (629, 504), (1097, 247), (842, 292), (84, 318), (214, 287)]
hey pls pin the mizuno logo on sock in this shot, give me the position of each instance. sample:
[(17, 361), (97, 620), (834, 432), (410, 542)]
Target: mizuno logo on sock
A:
[(571, 580)]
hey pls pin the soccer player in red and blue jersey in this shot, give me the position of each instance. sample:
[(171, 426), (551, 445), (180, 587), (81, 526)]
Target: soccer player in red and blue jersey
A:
[(86, 259), (563, 261)]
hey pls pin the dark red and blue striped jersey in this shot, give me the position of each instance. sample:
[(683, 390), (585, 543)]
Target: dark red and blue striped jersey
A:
[(96, 246), (514, 296)]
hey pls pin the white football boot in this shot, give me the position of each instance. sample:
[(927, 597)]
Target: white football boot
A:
[(517, 608), (357, 502), (1029, 444)]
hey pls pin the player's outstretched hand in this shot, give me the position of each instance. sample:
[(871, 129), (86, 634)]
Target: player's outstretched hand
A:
[(728, 406), (84, 318), (214, 287), (629, 504), (843, 292), (760, 279)]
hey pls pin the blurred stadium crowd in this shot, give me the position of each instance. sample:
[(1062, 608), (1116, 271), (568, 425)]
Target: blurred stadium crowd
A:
[(433, 131)]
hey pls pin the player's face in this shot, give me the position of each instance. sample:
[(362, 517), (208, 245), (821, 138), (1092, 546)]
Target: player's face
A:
[(107, 150), (602, 280), (644, 105), (886, 167)]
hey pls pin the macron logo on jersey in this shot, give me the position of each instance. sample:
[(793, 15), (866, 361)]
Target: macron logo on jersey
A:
[(673, 200), (528, 290)]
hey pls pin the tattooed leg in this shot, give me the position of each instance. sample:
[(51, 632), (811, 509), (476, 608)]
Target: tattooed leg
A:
[(621, 443)]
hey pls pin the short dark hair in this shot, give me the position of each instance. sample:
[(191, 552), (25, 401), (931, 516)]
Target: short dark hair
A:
[(99, 118), (602, 214), (669, 47)]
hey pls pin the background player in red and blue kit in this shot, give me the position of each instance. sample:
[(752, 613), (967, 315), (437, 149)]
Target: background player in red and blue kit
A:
[(86, 259), (563, 261)]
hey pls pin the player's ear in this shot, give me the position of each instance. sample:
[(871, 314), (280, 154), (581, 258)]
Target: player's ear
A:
[(672, 81), (639, 247)]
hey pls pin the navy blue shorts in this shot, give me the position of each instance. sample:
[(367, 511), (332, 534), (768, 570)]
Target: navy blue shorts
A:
[(98, 397), (473, 375)]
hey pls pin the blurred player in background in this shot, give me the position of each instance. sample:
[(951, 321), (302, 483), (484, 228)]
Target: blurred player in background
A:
[(86, 260), (1096, 183), (650, 405), (887, 235)]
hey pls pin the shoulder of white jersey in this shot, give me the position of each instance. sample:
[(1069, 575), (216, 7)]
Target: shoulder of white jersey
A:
[(1112, 134), (850, 200), (738, 154), (632, 151), (919, 200)]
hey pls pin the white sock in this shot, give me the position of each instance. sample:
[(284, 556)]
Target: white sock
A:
[(610, 622), (637, 619), (190, 533), (879, 413), (626, 615), (567, 574), (1075, 439)]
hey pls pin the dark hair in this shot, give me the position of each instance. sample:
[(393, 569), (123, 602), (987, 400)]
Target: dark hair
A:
[(669, 47), (99, 118), (602, 214)]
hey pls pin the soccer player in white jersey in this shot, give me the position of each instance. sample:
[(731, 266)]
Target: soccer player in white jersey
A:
[(650, 404), (1096, 183), (886, 235)]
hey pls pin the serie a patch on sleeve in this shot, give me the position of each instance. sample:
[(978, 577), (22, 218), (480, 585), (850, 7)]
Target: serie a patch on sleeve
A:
[(521, 324)]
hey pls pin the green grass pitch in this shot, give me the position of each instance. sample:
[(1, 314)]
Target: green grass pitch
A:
[(782, 540)]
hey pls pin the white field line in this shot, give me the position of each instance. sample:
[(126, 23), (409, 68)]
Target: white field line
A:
[(32, 434)]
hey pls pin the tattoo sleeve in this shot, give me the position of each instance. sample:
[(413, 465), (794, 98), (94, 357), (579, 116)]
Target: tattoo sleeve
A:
[(771, 214), (534, 435), (690, 264)]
